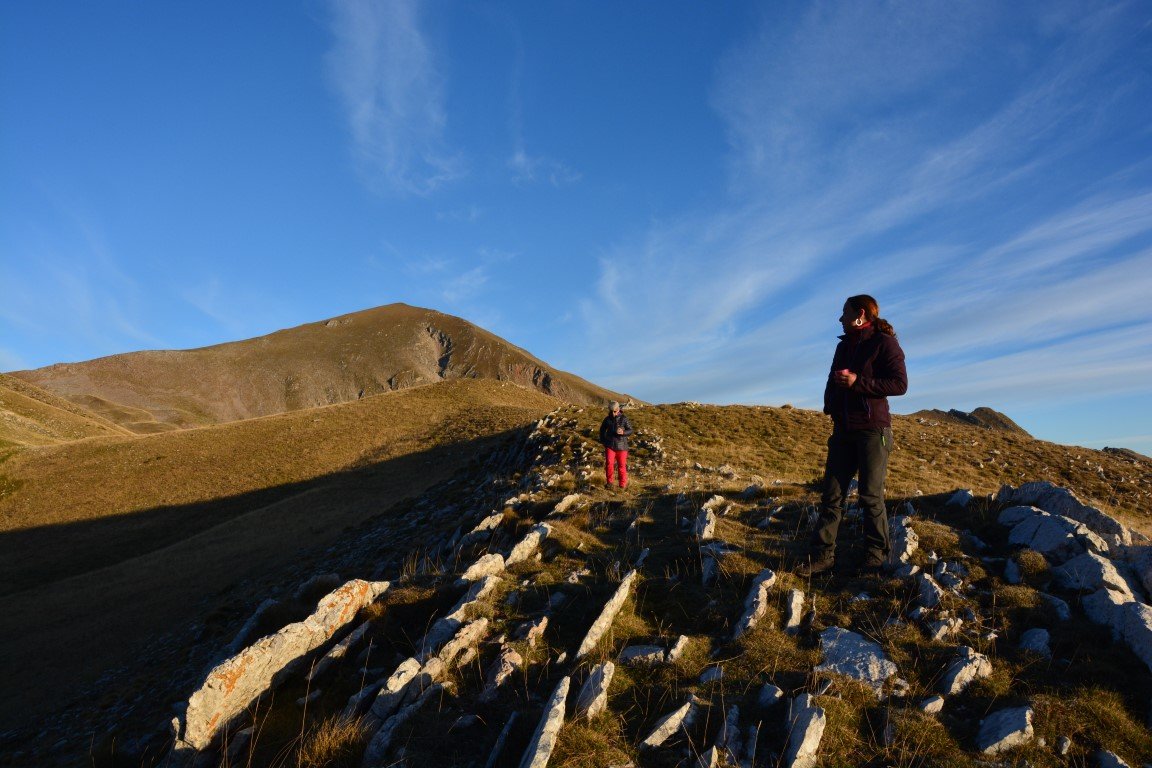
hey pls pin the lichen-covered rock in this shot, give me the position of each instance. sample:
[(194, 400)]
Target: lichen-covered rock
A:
[(232, 685), (1004, 730), (848, 653)]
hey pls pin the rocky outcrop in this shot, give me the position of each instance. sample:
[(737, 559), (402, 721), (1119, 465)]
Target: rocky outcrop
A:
[(1061, 501)]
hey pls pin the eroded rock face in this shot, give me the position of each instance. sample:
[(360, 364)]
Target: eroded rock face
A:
[(1057, 538), (848, 653), (235, 683), (1004, 730)]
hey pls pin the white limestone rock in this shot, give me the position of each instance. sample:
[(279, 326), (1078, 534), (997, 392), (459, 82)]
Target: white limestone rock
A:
[(381, 742), (795, 610), (233, 684), (544, 739), (1012, 572), (1063, 612), (903, 541), (680, 719), (938, 630), (806, 724), (1061, 501), (1036, 641), (502, 668), (338, 651), (1057, 538), (1105, 759), (969, 665), (1090, 572), (677, 649), (1105, 607), (593, 697), (1137, 630), (487, 565), (1010, 517), (566, 503), (705, 527), (643, 655), (756, 603), (528, 545), (729, 742), (467, 638), (848, 653), (932, 705), (1005, 730), (929, 593), (769, 695), (709, 569), (607, 616)]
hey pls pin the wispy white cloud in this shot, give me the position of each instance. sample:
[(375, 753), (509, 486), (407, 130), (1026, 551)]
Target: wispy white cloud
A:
[(392, 87), (527, 169), (875, 149)]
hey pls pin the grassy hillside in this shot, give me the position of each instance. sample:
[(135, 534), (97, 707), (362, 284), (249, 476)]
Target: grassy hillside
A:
[(31, 416), (335, 361)]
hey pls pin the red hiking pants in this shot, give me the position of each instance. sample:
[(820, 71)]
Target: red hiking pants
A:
[(613, 458)]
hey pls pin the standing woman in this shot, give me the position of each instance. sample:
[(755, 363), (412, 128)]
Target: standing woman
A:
[(867, 369), (614, 431)]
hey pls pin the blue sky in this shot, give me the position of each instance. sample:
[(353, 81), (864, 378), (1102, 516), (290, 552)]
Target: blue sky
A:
[(669, 199)]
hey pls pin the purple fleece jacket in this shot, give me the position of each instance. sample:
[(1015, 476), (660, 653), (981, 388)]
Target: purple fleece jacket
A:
[(878, 362)]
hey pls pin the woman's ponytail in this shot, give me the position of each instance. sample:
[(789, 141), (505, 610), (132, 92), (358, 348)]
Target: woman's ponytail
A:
[(884, 326), (866, 304)]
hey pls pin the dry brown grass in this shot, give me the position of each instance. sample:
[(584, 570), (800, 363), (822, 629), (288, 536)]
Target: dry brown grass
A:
[(336, 742)]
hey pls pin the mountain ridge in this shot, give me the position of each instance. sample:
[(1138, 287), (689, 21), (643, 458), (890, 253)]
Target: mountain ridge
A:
[(340, 359)]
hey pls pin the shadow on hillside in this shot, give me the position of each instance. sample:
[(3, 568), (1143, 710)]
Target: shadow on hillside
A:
[(96, 594), (37, 556)]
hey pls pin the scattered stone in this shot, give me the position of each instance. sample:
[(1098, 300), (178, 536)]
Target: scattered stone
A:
[(378, 747), (847, 653), (968, 665), (1063, 612), (795, 612), (728, 743), (1063, 745), (705, 527), (607, 616), (769, 695), (566, 503), (1106, 759), (1012, 572), (593, 697), (709, 758), (488, 565), (756, 603), (505, 665), (938, 630), (1004, 730), (233, 684), (1035, 641), (806, 724), (446, 627), (528, 545), (531, 631), (544, 739), (643, 655), (677, 649), (932, 705), (680, 719), (929, 592), (906, 571), (903, 542), (712, 674), (961, 498)]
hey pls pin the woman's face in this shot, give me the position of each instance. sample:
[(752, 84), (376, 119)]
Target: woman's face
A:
[(848, 316)]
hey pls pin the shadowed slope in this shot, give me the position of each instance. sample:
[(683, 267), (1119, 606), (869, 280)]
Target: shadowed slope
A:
[(334, 361)]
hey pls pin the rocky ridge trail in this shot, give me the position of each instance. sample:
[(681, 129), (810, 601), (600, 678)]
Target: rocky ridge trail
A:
[(567, 624)]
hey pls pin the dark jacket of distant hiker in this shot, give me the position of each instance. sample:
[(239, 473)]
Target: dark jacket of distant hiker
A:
[(878, 362), (608, 436)]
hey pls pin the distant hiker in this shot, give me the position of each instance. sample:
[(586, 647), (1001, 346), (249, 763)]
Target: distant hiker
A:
[(867, 368), (614, 431)]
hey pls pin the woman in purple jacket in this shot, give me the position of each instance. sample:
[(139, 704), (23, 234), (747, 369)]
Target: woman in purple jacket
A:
[(867, 369)]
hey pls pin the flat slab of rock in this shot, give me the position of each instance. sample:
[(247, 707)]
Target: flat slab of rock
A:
[(853, 655), (680, 719), (806, 724), (528, 545), (607, 616), (487, 565), (1056, 537), (593, 697), (447, 626), (1061, 501), (566, 503), (232, 685), (1004, 730), (643, 655), (756, 603), (544, 739), (968, 665), (1090, 572)]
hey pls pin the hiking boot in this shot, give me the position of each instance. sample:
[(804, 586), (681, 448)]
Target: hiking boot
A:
[(819, 563), (874, 565)]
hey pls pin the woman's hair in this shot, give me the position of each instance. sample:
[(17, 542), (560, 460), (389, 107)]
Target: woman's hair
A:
[(871, 310)]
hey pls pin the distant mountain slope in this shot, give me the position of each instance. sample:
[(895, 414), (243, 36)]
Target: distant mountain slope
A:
[(334, 361), (31, 416), (981, 417)]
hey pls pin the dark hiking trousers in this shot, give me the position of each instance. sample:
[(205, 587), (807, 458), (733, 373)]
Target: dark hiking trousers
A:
[(851, 452)]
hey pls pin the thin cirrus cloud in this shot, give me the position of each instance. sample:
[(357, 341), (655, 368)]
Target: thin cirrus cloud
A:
[(870, 154), (388, 79)]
